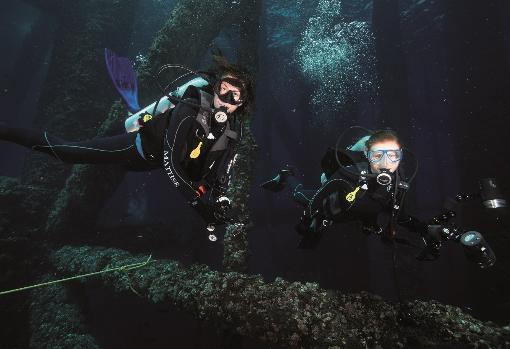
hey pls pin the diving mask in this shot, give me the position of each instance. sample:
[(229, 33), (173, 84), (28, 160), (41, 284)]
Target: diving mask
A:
[(229, 97), (393, 155)]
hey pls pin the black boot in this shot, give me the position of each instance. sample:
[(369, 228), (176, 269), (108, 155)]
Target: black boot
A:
[(278, 183)]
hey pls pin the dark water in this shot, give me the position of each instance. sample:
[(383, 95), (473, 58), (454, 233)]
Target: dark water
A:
[(436, 71)]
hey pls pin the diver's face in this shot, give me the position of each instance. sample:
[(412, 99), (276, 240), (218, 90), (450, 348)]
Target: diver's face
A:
[(224, 88), (383, 156)]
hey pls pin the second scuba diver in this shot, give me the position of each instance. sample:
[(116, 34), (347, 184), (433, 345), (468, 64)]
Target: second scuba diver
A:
[(192, 139), (365, 181)]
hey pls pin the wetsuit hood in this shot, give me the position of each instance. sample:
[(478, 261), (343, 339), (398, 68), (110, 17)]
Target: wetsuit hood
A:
[(350, 150)]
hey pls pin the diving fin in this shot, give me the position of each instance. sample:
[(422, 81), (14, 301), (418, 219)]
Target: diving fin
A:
[(124, 78), (277, 183)]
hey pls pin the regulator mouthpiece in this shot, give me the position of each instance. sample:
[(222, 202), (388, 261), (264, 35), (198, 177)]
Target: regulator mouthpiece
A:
[(477, 249), (384, 178)]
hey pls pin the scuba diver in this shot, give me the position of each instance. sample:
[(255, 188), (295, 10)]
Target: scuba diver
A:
[(189, 133), (365, 178)]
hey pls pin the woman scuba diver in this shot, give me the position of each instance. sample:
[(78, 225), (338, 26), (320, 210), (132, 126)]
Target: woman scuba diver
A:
[(365, 180), (192, 140)]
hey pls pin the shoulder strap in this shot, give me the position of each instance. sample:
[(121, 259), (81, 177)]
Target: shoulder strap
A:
[(203, 114), (223, 140), (401, 189)]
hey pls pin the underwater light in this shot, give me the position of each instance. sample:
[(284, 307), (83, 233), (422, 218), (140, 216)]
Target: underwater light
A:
[(490, 193)]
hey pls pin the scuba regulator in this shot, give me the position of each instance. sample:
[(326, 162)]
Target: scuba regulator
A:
[(384, 177)]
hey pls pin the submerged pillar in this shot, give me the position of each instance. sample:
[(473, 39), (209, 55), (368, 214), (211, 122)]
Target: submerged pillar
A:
[(56, 321), (235, 255), (281, 312)]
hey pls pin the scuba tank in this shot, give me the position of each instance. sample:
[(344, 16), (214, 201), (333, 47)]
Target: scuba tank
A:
[(160, 106)]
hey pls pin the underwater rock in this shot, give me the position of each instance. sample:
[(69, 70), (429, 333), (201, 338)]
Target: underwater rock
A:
[(22, 207), (285, 313), (449, 324), (16, 270), (55, 321)]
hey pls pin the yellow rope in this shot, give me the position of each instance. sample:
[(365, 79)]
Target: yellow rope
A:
[(122, 268)]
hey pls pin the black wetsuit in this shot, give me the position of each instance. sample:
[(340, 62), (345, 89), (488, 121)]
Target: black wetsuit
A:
[(138, 151), (373, 208)]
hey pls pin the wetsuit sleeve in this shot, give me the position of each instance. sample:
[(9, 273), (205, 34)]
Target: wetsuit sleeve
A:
[(192, 92), (328, 163), (412, 223)]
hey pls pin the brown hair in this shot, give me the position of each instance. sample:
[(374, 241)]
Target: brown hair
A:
[(381, 136), (223, 68)]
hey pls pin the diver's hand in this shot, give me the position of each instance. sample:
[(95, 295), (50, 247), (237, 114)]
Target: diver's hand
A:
[(432, 240), (223, 209), (312, 225), (429, 253), (311, 230), (214, 213)]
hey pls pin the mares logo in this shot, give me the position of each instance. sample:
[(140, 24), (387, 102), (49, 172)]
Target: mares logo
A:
[(168, 169)]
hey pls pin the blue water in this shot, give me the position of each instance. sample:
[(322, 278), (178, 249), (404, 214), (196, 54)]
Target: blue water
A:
[(435, 71)]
